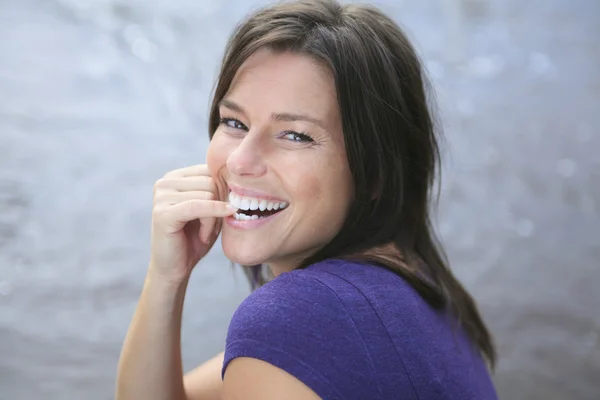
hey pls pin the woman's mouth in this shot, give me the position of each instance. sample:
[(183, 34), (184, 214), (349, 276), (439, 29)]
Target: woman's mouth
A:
[(252, 208)]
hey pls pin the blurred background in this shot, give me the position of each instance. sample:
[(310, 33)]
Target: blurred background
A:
[(99, 98)]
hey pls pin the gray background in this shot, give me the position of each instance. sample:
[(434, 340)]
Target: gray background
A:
[(99, 98)]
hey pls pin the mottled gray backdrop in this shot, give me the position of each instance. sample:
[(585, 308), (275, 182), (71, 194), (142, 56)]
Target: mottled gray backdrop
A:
[(99, 98)]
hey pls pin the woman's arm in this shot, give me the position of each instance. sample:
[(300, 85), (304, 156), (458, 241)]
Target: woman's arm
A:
[(186, 220), (251, 379), (204, 382), (150, 366)]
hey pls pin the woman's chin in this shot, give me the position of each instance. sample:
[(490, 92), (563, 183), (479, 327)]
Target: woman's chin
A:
[(244, 261), (240, 257), (244, 250)]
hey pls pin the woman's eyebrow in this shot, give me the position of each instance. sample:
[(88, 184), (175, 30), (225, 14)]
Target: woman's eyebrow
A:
[(232, 106), (297, 117), (288, 117)]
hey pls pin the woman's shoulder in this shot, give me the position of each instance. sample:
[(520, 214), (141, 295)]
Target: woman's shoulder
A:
[(302, 308), (301, 324), (331, 285), (337, 296), (329, 281), (290, 298), (354, 280)]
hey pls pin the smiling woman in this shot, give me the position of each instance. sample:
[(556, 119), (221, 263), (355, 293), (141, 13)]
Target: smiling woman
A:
[(284, 145), (320, 166)]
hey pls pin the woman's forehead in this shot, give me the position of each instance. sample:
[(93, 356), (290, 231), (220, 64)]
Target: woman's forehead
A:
[(293, 80)]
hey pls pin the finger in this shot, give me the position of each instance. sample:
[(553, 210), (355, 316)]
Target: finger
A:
[(171, 198), (193, 170), (187, 183), (207, 225), (192, 209)]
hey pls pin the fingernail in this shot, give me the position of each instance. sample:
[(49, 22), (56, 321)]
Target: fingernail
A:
[(230, 207)]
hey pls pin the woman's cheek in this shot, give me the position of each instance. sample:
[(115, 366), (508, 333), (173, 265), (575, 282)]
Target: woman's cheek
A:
[(214, 155)]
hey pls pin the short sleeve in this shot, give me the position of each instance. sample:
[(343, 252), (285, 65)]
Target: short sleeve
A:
[(298, 324)]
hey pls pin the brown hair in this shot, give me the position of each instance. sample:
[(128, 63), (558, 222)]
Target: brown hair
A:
[(390, 138)]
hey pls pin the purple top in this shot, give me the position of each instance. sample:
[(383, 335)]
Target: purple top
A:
[(355, 331)]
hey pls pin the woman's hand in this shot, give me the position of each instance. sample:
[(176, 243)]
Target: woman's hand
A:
[(186, 221)]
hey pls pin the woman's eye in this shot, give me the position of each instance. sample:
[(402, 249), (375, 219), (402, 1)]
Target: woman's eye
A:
[(297, 137), (233, 123)]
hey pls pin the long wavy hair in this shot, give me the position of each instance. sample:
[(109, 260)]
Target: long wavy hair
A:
[(390, 137)]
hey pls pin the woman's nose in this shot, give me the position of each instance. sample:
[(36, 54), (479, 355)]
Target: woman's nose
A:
[(246, 158)]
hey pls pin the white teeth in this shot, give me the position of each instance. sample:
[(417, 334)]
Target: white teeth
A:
[(244, 217), (234, 200), (249, 203), (254, 204)]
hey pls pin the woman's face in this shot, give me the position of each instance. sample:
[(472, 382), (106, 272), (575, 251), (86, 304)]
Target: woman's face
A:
[(279, 156)]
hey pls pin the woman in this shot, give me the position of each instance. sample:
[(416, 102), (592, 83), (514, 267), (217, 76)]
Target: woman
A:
[(320, 167)]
